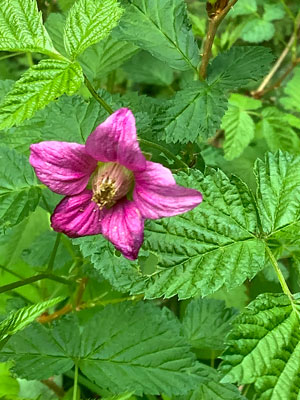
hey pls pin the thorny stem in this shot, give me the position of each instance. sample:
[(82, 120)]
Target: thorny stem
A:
[(213, 26), (53, 254), (32, 279), (281, 279), (75, 388), (96, 95)]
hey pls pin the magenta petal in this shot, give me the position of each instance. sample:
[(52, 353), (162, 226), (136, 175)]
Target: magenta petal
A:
[(157, 195), (115, 140), (64, 167), (77, 216), (123, 226)]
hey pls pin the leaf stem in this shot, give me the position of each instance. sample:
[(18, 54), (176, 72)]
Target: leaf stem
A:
[(88, 384), (281, 279), (10, 55), (96, 95), (75, 388), (32, 279), (164, 150), (54, 252), (213, 26)]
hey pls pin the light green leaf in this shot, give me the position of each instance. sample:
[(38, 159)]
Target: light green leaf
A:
[(8, 385), (273, 11), (292, 91), (239, 66), (194, 112), (144, 68), (37, 87), (140, 349), (243, 7), (88, 22), (206, 323), (21, 28), (278, 193), (20, 319), (258, 30), (160, 27), (244, 102), (19, 189), (264, 348), (277, 132), (239, 131)]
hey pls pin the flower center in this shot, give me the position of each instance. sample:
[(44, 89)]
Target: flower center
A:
[(110, 183)]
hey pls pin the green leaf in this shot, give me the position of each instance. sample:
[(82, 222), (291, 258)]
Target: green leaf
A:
[(40, 85), (243, 7), (277, 132), (196, 253), (88, 22), (160, 27), (140, 349), (257, 30), (20, 319), (273, 11), (278, 191), (19, 189), (264, 348), (292, 91), (9, 386), (207, 322), (144, 68), (212, 389), (194, 112), (240, 66), (21, 28)]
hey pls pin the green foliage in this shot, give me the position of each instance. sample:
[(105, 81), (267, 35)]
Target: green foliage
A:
[(20, 319), (9, 388), (40, 85), (21, 28), (238, 125), (292, 90), (117, 358), (19, 189), (160, 27), (88, 22), (207, 322), (263, 348)]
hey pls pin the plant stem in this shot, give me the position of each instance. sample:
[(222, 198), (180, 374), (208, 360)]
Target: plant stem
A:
[(54, 387), (29, 60), (10, 55), (164, 150), (53, 254), (96, 95), (32, 279), (88, 384), (213, 26), (75, 382), (281, 279)]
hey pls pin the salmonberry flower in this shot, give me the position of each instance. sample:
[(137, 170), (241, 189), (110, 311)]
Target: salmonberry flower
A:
[(109, 185)]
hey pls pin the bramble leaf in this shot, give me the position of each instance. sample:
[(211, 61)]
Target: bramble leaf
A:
[(264, 348), (21, 28), (292, 91), (39, 85), (88, 22), (160, 27), (140, 348), (19, 189)]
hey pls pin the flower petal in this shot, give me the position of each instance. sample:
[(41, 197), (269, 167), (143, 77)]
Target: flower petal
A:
[(157, 195), (115, 140), (64, 167), (77, 216), (123, 225)]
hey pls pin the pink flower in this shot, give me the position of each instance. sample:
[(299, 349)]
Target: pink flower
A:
[(109, 185)]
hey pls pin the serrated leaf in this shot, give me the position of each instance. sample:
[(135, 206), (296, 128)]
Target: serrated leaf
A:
[(88, 22), (206, 323), (194, 112), (278, 134), (257, 30), (239, 66), (140, 349), (19, 189), (278, 193), (20, 319), (37, 87), (292, 91), (21, 28), (264, 349), (160, 27)]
